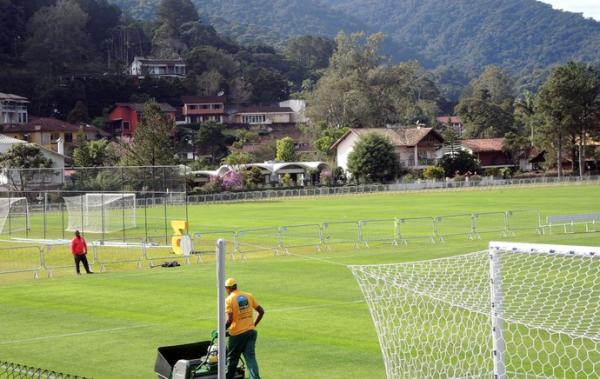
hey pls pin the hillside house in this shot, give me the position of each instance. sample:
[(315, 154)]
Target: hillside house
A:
[(53, 134), (13, 109), (157, 68), (199, 109), (50, 178), (125, 118), (417, 147), (453, 122)]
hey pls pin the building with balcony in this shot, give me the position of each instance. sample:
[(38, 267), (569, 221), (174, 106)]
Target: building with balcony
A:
[(489, 152), (125, 118), (417, 147), (200, 109), (264, 115), (13, 109), (157, 68), (453, 122)]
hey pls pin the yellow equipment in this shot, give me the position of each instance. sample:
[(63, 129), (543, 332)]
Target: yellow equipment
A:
[(181, 241)]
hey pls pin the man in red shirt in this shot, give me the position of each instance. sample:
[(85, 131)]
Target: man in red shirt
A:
[(79, 250)]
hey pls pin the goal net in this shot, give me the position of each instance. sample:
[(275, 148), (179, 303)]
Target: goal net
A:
[(14, 214), (101, 212), (514, 311)]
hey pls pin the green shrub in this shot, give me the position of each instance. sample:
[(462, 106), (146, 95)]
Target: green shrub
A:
[(434, 172)]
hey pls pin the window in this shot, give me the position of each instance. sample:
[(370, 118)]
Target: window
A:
[(54, 137), (125, 125), (68, 137)]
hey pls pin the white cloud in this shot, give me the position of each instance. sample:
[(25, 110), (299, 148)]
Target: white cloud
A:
[(589, 8)]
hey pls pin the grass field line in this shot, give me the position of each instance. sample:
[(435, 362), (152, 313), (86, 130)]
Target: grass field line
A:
[(155, 325)]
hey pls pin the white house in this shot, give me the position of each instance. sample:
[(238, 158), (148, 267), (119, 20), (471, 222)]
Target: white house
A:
[(13, 109), (49, 178), (416, 147), (157, 68)]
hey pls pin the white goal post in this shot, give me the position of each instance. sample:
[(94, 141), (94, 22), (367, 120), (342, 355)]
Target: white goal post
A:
[(14, 214), (101, 212), (514, 311)]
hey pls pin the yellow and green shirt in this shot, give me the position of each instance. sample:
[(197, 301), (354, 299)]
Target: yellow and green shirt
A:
[(241, 305)]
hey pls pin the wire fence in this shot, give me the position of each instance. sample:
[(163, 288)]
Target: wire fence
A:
[(38, 257), (419, 185), (9, 370)]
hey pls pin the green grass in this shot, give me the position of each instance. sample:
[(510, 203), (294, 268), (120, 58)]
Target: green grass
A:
[(109, 325)]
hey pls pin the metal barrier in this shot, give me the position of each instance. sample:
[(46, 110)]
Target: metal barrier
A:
[(383, 230), (415, 228), (341, 232), (524, 219), (570, 222), (21, 259), (18, 371), (258, 240), (299, 236)]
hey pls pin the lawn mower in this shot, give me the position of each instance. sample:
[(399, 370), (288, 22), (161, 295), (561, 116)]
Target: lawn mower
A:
[(191, 361)]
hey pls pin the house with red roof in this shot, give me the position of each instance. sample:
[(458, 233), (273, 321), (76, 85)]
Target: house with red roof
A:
[(125, 118), (53, 134), (489, 152), (199, 109), (417, 147)]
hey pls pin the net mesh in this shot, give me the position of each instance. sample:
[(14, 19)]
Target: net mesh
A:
[(14, 214), (434, 318), (101, 212)]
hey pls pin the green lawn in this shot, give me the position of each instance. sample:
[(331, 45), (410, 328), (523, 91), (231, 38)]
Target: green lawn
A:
[(316, 326)]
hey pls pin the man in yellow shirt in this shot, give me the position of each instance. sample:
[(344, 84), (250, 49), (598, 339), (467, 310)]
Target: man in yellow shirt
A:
[(240, 306)]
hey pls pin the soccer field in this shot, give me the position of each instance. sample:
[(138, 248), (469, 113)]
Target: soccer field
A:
[(317, 324)]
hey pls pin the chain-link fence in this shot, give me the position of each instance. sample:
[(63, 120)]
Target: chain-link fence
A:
[(418, 185)]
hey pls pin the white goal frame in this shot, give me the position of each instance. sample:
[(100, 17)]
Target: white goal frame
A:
[(514, 310), (81, 209), (6, 205), (496, 290)]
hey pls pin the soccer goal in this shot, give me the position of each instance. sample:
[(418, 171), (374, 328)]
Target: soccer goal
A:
[(101, 212), (14, 215), (513, 311)]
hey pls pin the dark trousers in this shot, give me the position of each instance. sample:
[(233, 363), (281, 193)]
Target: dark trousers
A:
[(82, 258), (244, 343)]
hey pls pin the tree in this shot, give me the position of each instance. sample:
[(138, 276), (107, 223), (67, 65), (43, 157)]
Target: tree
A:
[(79, 114), (58, 42), (483, 118), (451, 136), (93, 154), (311, 52), (373, 159), (254, 177), (516, 146), (153, 140), (18, 162), (461, 162), (212, 142), (567, 104), (286, 151), (239, 158), (498, 83)]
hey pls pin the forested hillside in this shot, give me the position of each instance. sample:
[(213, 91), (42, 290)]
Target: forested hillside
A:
[(517, 34)]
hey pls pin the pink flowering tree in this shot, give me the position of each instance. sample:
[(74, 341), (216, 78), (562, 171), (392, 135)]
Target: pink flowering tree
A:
[(232, 180)]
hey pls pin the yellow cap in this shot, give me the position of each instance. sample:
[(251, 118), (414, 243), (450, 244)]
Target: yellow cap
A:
[(230, 282)]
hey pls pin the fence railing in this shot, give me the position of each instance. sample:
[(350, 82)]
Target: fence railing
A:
[(392, 187), (18, 371), (36, 256)]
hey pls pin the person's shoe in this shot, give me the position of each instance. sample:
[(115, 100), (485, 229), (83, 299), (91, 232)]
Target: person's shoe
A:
[(90, 272)]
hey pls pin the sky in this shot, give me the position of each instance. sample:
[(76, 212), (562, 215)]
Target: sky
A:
[(589, 8)]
